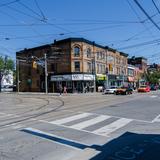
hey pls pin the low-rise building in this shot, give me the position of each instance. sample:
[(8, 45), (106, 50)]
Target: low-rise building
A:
[(117, 67), (75, 63)]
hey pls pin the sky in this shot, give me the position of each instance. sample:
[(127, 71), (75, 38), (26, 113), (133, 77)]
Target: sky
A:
[(119, 24)]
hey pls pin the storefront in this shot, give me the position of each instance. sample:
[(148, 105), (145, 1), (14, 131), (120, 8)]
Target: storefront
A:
[(100, 81), (74, 82), (131, 82), (112, 80)]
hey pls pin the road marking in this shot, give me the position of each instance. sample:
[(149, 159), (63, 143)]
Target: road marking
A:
[(82, 126), (112, 127), (57, 139), (90, 122), (72, 118), (157, 119), (153, 96)]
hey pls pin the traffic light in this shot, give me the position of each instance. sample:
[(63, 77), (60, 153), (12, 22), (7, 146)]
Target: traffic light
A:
[(110, 67), (34, 64)]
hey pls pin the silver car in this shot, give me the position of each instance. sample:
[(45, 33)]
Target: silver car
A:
[(110, 90)]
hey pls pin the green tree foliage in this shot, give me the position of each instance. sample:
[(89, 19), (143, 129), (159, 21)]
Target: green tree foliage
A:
[(153, 77), (6, 65)]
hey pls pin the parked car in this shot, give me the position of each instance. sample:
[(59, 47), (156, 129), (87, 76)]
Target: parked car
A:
[(144, 89), (153, 88), (110, 90), (124, 91)]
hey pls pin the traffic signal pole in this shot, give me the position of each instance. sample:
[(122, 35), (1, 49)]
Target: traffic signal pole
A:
[(46, 73)]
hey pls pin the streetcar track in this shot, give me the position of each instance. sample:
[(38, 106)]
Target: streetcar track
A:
[(27, 117)]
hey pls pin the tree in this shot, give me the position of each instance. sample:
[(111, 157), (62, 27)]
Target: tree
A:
[(6, 65), (153, 77)]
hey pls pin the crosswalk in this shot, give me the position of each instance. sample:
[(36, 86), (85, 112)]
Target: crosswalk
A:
[(93, 123)]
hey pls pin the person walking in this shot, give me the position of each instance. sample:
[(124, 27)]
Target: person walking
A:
[(60, 89), (65, 90)]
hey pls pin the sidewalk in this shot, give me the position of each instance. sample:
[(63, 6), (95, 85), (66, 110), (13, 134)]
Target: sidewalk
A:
[(54, 94)]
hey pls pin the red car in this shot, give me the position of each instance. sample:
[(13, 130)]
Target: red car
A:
[(144, 89)]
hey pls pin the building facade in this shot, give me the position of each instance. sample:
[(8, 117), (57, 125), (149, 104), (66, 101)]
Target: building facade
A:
[(75, 63), (117, 67), (140, 64)]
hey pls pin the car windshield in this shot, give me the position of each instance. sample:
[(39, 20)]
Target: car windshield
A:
[(113, 87), (143, 86)]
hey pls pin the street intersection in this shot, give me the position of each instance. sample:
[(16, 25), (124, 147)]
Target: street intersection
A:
[(84, 126)]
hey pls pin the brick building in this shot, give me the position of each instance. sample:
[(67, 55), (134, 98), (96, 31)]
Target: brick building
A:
[(76, 63)]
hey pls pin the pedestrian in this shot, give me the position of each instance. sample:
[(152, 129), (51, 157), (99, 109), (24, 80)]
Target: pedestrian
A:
[(65, 90), (60, 89)]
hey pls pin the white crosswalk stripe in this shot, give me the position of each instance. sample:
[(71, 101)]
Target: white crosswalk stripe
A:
[(72, 118), (104, 130), (90, 122), (112, 127)]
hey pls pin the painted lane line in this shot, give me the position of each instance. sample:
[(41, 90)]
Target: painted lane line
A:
[(72, 118), (61, 125), (157, 119), (90, 122), (2, 113), (153, 96), (112, 127), (57, 139)]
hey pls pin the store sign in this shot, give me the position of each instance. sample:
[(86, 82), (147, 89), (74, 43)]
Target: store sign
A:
[(57, 78), (73, 77), (101, 77), (89, 77), (67, 77), (76, 77)]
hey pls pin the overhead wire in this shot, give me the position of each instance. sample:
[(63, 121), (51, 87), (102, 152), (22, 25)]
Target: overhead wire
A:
[(155, 5), (143, 10), (30, 9), (8, 3), (139, 17)]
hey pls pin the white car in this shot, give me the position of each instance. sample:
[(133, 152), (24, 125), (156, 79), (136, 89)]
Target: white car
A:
[(110, 90)]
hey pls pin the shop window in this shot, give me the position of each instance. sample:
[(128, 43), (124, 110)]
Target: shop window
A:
[(88, 53), (69, 85), (77, 66), (98, 55), (89, 67), (76, 51), (37, 83)]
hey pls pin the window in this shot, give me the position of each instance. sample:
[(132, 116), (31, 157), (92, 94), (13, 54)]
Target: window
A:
[(97, 55), (76, 51), (89, 67), (98, 68), (77, 66), (88, 53)]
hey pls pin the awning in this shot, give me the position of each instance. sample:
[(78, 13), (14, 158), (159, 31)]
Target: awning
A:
[(101, 77), (130, 79)]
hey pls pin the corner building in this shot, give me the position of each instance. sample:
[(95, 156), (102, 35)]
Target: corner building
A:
[(76, 63)]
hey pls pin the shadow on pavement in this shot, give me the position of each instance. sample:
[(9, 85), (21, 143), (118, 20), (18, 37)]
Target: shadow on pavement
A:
[(130, 146)]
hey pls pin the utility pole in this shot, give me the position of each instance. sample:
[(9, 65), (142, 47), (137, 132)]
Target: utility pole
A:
[(17, 75), (46, 73)]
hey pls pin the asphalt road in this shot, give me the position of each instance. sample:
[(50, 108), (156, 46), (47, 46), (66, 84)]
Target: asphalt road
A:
[(80, 126)]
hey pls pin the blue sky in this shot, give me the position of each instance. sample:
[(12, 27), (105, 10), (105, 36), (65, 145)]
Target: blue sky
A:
[(119, 24)]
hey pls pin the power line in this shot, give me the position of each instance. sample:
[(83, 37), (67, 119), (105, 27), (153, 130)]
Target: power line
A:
[(142, 9), (139, 17), (155, 6), (30, 9), (44, 18), (141, 44), (6, 4)]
